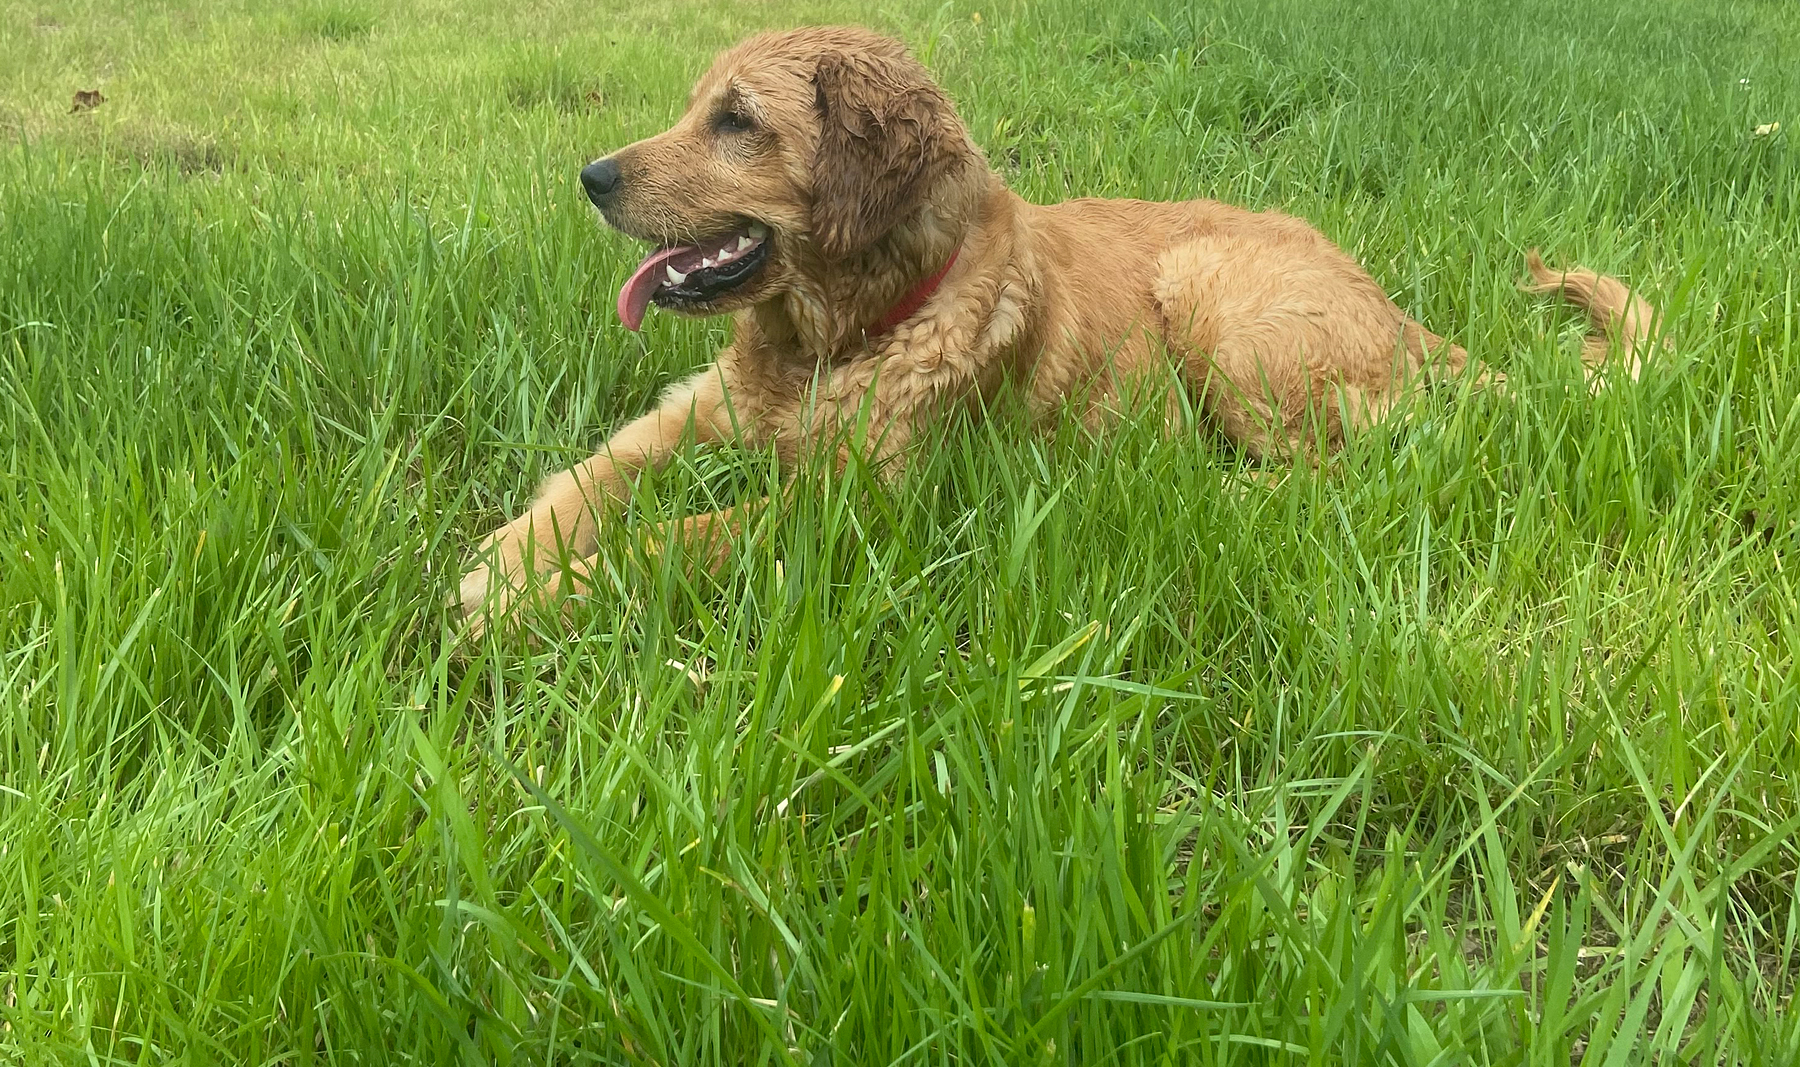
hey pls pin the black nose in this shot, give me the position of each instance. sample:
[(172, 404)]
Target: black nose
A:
[(600, 178)]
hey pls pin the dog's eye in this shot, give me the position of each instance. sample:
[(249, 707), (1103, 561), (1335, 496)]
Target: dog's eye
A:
[(734, 121)]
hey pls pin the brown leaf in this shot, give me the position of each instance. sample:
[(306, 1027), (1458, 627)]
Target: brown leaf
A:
[(86, 100)]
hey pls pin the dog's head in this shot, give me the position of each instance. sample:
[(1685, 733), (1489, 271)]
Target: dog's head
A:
[(797, 151)]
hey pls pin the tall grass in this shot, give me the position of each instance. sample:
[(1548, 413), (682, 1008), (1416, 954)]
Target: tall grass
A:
[(1475, 747)]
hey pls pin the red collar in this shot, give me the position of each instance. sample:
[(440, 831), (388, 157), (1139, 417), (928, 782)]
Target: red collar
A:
[(913, 300)]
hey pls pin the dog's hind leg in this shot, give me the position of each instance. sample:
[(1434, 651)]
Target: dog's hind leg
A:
[(1267, 347)]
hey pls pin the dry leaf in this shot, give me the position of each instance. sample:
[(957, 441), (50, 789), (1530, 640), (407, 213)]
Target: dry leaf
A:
[(1768, 128), (86, 100)]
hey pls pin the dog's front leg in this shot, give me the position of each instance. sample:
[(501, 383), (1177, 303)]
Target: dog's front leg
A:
[(711, 538), (562, 523), (708, 539)]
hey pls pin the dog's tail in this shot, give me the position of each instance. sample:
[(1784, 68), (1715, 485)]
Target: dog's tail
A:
[(1616, 315)]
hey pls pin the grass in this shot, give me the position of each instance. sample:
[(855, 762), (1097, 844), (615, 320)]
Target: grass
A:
[(1477, 748)]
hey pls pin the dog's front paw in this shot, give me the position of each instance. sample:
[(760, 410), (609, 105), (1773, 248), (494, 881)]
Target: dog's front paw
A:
[(481, 598), (491, 584), (480, 592)]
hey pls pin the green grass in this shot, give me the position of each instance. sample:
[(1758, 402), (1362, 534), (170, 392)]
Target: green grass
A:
[(1477, 748)]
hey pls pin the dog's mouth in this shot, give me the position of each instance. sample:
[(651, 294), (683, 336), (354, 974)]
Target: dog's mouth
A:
[(688, 277)]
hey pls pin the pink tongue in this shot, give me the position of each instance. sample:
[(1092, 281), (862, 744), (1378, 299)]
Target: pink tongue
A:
[(635, 296)]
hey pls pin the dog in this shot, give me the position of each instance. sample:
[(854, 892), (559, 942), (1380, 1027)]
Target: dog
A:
[(821, 189)]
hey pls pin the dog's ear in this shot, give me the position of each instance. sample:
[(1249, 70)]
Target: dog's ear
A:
[(886, 134)]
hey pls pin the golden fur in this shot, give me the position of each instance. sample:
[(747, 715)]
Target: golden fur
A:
[(843, 146)]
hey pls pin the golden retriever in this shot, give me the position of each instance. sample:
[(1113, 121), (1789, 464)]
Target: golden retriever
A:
[(821, 188)]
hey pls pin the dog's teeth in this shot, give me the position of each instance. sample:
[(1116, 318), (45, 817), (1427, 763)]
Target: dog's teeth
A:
[(709, 262), (758, 231), (675, 277), (743, 243)]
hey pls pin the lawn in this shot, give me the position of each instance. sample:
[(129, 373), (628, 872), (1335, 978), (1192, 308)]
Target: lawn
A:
[(1476, 746)]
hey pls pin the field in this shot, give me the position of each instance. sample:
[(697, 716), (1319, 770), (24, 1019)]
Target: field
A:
[(1476, 746)]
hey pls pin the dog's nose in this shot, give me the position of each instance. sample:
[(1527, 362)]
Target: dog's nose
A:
[(600, 178)]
